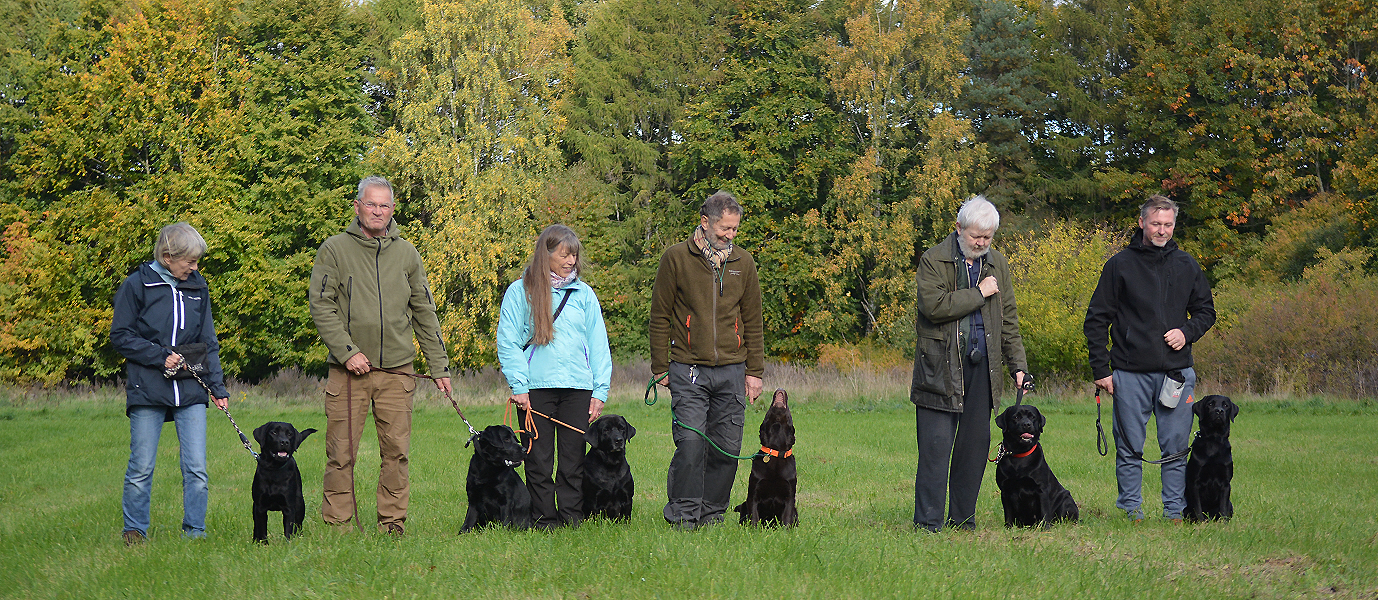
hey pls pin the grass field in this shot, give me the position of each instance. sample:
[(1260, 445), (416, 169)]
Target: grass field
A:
[(1305, 491)]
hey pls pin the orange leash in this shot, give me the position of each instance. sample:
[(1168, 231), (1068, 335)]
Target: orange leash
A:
[(528, 427)]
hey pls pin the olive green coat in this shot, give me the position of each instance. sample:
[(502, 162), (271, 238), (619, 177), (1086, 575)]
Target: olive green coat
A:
[(945, 297)]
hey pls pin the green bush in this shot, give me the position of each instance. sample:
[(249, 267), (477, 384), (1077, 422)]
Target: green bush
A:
[(1055, 270)]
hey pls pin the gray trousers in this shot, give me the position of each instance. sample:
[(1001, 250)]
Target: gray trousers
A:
[(1136, 399), (711, 400), (964, 438)]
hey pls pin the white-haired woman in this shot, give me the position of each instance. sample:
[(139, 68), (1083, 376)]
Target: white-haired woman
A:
[(161, 317), (553, 347)]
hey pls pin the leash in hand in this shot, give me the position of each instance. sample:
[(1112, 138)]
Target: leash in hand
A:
[(243, 439), (1103, 447), (675, 420), (472, 431)]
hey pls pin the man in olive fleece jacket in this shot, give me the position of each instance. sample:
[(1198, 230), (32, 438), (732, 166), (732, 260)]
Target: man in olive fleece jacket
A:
[(368, 298), (706, 332)]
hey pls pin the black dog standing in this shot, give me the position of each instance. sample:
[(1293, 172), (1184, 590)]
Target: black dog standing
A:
[(1029, 491), (771, 488), (496, 492), (1211, 466), (277, 480), (608, 485)]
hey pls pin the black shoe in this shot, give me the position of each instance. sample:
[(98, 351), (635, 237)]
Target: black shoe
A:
[(133, 537)]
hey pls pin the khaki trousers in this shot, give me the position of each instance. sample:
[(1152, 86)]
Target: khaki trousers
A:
[(347, 401)]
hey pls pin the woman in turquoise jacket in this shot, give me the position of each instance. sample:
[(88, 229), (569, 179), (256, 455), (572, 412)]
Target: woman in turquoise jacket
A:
[(557, 364)]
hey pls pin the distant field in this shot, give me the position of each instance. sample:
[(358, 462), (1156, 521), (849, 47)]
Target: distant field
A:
[(1306, 495)]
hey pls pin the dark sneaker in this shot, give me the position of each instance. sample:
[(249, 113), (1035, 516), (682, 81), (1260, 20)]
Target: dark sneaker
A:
[(393, 529), (133, 537)]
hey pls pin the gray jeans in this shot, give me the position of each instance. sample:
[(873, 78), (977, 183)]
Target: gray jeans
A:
[(711, 400), (1136, 399)]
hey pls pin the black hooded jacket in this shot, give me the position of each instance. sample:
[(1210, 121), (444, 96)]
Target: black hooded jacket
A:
[(1144, 292)]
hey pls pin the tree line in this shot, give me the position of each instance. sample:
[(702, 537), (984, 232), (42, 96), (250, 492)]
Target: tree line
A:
[(850, 130)]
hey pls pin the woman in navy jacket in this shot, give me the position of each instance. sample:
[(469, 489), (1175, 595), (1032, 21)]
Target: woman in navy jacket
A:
[(166, 303)]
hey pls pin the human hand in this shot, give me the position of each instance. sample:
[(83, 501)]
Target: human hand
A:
[(523, 401), (221, 403), (358, 364), (443, 384), (1175, 339), (172, 360), (661, 379), (1107, 384), (989, 287), (753, 388), (595, 409)]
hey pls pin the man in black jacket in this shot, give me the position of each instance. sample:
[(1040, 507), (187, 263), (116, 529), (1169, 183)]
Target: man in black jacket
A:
[(1155, 302)]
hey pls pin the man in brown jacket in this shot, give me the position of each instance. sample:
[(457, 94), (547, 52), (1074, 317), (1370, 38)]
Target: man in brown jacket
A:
[(706, 332), (968, 334), (368, 298)]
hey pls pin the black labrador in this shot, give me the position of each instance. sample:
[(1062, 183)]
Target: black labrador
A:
[(771, 487), (608, 487), (496, 492), (1211, 466), (277, 480), (1029, 491)]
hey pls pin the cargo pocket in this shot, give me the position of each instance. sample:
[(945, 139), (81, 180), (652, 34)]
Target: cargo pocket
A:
[(931, 373)]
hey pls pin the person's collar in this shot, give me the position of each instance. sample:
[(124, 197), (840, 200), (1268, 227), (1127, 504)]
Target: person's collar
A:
[(163, 272)]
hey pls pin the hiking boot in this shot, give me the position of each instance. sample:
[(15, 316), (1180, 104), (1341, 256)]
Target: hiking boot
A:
[(133, 537), (393, 529)]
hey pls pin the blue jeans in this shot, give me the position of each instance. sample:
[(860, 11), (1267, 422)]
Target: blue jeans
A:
[(145, 426), (1136, 399)]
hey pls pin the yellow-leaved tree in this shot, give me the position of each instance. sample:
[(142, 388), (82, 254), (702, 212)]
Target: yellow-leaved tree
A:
[(474, 141)]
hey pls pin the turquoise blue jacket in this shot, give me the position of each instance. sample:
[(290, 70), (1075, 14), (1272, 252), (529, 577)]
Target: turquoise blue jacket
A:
[(578, 357)]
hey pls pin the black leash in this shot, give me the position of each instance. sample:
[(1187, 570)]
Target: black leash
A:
[(182, 364), (1103, 447)]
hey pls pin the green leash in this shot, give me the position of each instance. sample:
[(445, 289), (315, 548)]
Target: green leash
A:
[(650, 401)]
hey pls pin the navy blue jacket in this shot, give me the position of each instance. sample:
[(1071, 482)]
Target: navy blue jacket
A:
[(150, 318), (1145, 291)]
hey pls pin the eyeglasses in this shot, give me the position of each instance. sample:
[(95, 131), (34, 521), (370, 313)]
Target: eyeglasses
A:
[(369, 206)]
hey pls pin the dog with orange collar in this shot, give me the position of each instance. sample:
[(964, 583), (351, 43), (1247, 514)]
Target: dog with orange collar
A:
[(770, 489)]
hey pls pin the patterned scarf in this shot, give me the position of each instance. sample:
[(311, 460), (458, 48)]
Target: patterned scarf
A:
[(714, 256), (557, 282)]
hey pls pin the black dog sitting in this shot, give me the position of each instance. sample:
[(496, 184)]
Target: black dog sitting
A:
[(1029, 491), (771, 487), (496, 492), (1211, 466), (277, 481), (608, 485)]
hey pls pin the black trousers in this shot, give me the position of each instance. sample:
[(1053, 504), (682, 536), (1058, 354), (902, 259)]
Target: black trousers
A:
[(565, 491), (963, 439)]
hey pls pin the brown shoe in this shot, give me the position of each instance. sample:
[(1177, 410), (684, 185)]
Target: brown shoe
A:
[(393, 529), (133, 537), (1176, 521)]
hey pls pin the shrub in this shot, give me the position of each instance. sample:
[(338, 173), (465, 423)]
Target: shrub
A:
[(1318, 335), (1054, 271)]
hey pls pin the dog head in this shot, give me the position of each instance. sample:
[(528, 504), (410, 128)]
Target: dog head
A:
[(498, 445), (278, 440), (777, 428), (610, 434), (1215, 413), (1023, 425)]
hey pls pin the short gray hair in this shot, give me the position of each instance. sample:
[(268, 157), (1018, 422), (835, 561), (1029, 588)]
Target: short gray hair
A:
[(979, 214), (179, 240), (1156, 203), (373, 181), (718, 204)]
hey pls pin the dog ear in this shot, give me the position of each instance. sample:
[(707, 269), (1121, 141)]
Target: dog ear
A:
[(301, 436), (631, 431), (1001, 418), (258, 434), (1042, 420), (591, 436), (1198, 407), (1234, 409)]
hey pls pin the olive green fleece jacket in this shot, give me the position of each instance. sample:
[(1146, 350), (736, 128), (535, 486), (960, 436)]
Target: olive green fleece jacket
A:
[(945, 297), (697, 319), (370, 295)]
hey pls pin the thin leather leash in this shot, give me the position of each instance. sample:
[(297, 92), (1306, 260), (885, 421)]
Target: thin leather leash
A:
[(472, 431), (1104, 448)]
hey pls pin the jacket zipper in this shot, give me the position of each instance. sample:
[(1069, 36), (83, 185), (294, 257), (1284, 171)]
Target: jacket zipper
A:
[(378, 277), (178, 322)]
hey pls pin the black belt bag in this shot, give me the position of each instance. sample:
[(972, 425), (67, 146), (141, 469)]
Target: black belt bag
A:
[(193, 364)]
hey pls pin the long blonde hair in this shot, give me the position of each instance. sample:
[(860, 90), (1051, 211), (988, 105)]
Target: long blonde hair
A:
[(536, 279)]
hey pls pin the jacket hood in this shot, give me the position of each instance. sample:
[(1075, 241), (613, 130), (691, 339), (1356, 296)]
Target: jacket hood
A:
[(194, 281), (1137, 243), (357, 230)]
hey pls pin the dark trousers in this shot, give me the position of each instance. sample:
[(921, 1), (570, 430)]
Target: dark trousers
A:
[(566, 490), (962, 437), (711, 400)]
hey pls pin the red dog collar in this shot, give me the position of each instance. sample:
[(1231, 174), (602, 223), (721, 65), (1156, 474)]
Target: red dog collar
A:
[(1026, 453)]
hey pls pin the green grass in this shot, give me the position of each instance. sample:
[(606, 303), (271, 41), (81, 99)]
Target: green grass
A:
[(1305, 492)]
